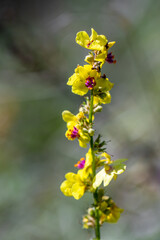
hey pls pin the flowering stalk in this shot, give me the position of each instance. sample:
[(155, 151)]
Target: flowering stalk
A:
[(97, 167)]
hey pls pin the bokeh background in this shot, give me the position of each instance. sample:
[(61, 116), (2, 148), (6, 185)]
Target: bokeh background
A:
[(37, 55)]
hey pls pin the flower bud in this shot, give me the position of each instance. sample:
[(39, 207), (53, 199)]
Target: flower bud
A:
[(98, 109), (81, 109), (88, 222), (85, 130), (91, 212), (105, 198), (91, 131)]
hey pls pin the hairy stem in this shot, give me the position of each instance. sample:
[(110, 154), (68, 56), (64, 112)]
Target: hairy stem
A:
[(95, 194)]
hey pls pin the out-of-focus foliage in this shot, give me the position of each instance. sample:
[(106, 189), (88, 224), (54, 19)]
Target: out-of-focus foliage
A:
[(37, 55)]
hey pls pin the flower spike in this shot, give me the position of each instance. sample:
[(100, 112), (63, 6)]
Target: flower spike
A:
[(96, 167)]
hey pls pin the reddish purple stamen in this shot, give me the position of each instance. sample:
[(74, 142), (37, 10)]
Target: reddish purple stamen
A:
[(74, 133), (80, 164), (110, 58), (90, 83)]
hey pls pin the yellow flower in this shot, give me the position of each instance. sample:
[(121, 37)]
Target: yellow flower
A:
[(83, 79), (86, 78), (109, 212), (98, 43), (102, 85), (114, 214), (73, 186), (101, 90), (75, 125), (105, 98), (94, 42), (76, 184), (111, 170)]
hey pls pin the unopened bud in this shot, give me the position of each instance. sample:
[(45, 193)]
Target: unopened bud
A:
[(88, 222), (91, 212), (85, 130), (91, 131), (97, 109), (81, 109)]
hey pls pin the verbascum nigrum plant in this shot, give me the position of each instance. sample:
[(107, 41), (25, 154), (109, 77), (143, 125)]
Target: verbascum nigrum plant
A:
[(96, 169)]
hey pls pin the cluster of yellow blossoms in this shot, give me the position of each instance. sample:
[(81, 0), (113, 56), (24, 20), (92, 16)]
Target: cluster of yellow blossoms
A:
[(97, 167)]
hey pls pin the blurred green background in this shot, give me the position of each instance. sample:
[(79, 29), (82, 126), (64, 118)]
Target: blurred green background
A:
[(37, 55)]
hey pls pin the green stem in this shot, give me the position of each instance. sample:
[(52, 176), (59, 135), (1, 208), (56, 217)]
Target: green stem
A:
[(97, 226), (91, 107), (93, 157), (95, 194)]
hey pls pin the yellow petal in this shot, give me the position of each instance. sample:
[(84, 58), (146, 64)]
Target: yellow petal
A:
[(72, 177), (119, 166), (79, 87), (114, 214), (84, 137), (82, 38), (78, 190), (89, 159), (66, 188), (106, 99), (71, 124), (119, 169), (103, 84), (95, 45), (72, 79), (83, 71), (83, 174), (93, 35), (82, 144), (110, 44), (101, 57), (87, 170), (107, 179), (102, 40), (80, 115), (96, 100), (68, 116), (107, 156), (99, 178), (86, 68)]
